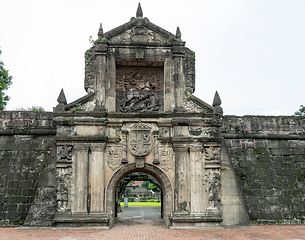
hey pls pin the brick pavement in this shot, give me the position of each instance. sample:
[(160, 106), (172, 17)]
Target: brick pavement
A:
[(154, 229)]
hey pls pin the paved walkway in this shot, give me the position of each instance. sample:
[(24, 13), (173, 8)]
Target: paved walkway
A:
[(145, 223), (154, 229), (140, 213)]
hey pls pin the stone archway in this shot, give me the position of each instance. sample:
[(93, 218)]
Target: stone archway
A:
[(150, 169)]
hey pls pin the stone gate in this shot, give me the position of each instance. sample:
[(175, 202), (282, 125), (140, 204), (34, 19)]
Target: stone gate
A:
[(140, 115)]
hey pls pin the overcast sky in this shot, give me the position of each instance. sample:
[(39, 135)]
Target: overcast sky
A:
[(251, 51)]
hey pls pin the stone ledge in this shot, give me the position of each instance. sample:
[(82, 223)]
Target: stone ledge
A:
[(37, 131), (263, 136), (81, 138), (80, 219)]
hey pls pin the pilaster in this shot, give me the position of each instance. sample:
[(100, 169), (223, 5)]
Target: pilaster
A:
[(97, 178), (79, 186)]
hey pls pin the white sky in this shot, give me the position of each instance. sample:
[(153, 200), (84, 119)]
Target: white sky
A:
[(251, 51)]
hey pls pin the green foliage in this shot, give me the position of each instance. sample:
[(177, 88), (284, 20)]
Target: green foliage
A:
[(5, 82), (88, 56), (193, 55), (31, 109), (189, 96), (145, 184), (78, 107), (91, 40), (301, 111), (150, 186)]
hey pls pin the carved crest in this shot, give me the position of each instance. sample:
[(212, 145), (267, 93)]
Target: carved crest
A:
[(167, 159), (114, 155), (140, 139)]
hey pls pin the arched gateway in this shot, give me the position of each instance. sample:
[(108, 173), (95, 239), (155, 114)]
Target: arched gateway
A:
[(140, 115), (147, 168)]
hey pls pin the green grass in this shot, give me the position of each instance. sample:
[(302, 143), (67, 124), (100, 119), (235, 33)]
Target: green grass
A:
[(143, 204)]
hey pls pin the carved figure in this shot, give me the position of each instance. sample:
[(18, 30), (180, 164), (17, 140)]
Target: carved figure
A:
[(212, 153), (63, 176), (138, 92), (212, 185)]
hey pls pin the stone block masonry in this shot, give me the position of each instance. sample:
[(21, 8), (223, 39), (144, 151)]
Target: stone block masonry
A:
[(26, 150), (268, 155)]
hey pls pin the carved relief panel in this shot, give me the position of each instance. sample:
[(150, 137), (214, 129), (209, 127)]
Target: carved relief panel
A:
[(63, 175), (139, 89)]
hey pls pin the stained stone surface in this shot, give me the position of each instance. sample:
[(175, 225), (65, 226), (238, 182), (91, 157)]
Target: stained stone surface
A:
[(268, 156)]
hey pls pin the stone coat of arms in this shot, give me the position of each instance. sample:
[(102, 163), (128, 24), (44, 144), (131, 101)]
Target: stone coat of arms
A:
[(140, 139)]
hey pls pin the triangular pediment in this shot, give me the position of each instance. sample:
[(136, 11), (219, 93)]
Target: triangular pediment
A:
[(139, 30)]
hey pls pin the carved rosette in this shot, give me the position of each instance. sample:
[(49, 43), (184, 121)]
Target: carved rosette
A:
[(63, 175), (64, 153), (140, 139), (167, 161), (114, 156)]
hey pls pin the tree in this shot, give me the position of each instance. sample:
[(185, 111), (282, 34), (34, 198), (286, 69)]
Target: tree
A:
[(5, 82), (301, 111)]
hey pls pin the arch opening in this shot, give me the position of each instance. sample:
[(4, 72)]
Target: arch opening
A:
[(155, 172), (139, 189)]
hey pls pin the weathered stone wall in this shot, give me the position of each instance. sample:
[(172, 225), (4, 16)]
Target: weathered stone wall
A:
[(26, 156), (268, 155)]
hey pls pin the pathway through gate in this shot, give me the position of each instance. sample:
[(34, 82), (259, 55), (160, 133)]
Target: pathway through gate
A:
[(139, 213)]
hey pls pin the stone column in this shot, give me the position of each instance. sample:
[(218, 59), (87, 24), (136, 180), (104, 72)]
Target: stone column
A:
[(169, 86), (79, 186), (110, 83), (101, 55), (198, 202), (97, 178), (178, 56), (182, 191)]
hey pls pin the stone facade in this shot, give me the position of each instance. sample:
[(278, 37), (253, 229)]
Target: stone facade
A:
[(143, 118), (140, 115), (262, 169)]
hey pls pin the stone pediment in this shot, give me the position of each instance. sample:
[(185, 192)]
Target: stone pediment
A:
[(139, 30)]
